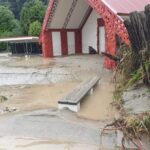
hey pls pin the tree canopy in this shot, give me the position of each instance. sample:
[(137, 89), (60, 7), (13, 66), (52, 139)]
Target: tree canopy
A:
[(35, 28), (9, 26), (17, 17), (32, 11), (7, 19), (21, 18), (16, 5)]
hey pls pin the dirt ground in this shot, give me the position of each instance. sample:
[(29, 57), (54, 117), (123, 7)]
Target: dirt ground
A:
[(42, 95)]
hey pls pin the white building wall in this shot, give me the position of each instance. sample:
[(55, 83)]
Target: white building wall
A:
[(102, 39), (56, 43), (71, 42), (89, 33)]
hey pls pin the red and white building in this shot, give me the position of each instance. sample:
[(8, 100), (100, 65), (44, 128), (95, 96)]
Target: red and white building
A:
[(71, 26)]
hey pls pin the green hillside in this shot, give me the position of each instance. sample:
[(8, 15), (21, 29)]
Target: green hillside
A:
[(21, 18), (16, 5)]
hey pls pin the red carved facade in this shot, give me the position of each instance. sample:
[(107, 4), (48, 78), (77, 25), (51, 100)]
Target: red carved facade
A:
[(113, 25)]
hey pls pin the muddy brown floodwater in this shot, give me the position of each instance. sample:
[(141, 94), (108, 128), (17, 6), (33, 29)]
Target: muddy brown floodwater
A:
[(98, 106), (33, 85), (35, 97), (43, 94)]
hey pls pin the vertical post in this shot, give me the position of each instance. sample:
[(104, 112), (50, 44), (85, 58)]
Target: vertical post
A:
[(78, 41), (15, 48), (110, 48), (31, 48), (26, 49), (64, 42), (47, 44), (7, 46)]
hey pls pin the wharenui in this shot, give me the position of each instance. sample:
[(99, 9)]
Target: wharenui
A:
[(72, 26)]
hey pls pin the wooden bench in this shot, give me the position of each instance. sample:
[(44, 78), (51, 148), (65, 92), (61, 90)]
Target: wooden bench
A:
[(73, 99)]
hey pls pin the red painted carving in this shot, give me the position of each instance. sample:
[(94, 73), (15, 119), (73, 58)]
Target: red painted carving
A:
[(113, 25), (48, 13), (46, 36), (47, 44)]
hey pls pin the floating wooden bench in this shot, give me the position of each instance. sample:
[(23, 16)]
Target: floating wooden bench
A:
[(73, 99)]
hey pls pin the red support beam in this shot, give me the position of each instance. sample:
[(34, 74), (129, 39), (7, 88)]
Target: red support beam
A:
[(110, 48), (86, 18), (64, 42), (113, 24), (47, 44), (100, 23), (78, 41)]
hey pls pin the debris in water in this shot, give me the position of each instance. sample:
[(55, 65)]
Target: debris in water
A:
[(6, 110), (3, 99)]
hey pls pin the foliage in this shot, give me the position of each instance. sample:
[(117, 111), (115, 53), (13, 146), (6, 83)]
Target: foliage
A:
[(138, 124), (3, 99), (16, 5), (117, 95), (35, 28), (135, 77), (32, 11), (7, 20), (3, 47), (134, 68), (9, 26)]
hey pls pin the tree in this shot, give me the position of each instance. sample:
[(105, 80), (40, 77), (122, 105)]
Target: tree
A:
[(7, 19), (9, 26), (35, 28), (16, 5), (45, 2), (32, 11)]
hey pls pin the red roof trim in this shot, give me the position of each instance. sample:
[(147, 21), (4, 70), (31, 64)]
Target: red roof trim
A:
[(126, 6), (48, 12), (45, 22)]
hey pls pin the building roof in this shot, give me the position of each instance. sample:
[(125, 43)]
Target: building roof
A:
[(74, 14), (19, 39), (54, 18), (126, 6)]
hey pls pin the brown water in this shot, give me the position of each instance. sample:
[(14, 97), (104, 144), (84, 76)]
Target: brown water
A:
[(98, 106), (48, 80), (35, 83), (35, 96), (25, 98)]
